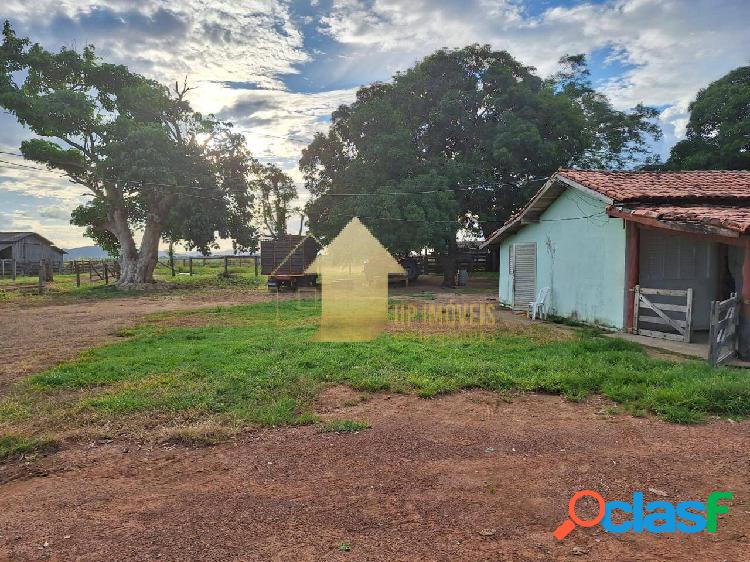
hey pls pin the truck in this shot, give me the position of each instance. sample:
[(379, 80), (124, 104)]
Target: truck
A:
[(286, 258)]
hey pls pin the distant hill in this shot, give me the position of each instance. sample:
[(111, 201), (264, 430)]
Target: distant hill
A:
[(86, 252), (97, 253)]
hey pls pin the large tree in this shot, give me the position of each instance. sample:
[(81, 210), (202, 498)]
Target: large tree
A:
[(718, 132), (152, 165), (457, 142), (275, 192)]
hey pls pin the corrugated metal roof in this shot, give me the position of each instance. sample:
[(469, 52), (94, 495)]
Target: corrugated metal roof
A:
[(11, 237), (14, 236)]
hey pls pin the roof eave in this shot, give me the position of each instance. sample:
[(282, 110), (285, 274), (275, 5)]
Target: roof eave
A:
[(538, 203), (593, 193)]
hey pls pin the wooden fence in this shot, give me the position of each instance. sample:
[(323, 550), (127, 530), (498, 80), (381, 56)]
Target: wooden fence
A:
[(44, 272), (205, 261), (12, 268), (722, 335), (95, 270), (669, 319), (472, 259)]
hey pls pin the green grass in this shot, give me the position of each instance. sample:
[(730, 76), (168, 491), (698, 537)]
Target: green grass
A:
[(343, 426), (14, 446), (63, 288), (254, 365)]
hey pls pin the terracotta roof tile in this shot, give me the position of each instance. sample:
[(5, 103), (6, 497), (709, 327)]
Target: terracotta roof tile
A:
[(732, 218), (699, 185), (715, 197)]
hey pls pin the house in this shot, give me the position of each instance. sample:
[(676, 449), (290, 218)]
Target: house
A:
[(354, 270), (27, 249), (611, 244)]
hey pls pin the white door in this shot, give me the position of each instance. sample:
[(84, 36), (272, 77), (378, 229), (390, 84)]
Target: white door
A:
[(523, 258)]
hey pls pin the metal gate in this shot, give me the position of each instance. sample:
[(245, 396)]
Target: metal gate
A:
[(669, 319), (722, 335), (523, 274)]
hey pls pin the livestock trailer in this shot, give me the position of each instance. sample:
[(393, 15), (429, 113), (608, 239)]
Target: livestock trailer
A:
[(286, 258)]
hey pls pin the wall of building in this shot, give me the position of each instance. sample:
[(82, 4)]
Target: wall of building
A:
[(33, 249), (671, 261), (580, 256)]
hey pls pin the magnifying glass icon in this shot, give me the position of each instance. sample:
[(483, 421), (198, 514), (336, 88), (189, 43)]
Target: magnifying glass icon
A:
[(569, 524)]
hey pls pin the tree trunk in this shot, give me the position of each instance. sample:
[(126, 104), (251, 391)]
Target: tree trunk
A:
[(137, 267), (449, 265)]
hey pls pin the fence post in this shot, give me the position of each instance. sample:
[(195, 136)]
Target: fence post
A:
[(15, 269), (42, 275), (190, 266), (226, 266), (713, 344), (636, 307), (78, 273), (171, 263), (255, 258), (106, 274), (689, 316)]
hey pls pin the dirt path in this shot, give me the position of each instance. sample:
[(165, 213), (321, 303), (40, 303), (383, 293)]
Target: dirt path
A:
[(39, 337), (463, 477)]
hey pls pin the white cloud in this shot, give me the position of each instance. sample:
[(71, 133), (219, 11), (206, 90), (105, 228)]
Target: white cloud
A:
[(251, 41), (674, 47), (668, 48)]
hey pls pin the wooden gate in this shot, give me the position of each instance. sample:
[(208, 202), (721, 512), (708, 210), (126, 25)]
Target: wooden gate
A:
[(102, 271), (722, 335), (523, 274), (669, 319)]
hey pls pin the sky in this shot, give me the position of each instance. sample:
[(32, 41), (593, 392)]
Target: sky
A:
[(277, 69)]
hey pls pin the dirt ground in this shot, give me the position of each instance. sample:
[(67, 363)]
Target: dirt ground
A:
[(39, 337), (471, 476), (464, 477)]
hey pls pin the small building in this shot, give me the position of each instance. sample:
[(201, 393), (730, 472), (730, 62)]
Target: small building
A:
[(655, 253), (27, 250)]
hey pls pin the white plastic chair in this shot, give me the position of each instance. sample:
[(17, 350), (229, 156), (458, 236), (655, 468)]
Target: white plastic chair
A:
[(539, 306)]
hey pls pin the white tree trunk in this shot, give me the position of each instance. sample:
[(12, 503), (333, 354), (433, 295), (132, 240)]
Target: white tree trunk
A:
[(137, 266)]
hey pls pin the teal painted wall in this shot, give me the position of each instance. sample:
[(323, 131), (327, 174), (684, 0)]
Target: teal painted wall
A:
[(579, 256)]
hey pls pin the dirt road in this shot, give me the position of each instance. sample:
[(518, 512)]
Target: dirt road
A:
[(463, 477)]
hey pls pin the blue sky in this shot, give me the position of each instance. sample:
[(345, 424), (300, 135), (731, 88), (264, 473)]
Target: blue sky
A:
[(278, 69)]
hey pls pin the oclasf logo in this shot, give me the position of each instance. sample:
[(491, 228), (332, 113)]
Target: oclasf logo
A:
[(654, 517)]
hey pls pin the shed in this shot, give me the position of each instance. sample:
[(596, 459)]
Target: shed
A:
[(609, 245), (27, 249)]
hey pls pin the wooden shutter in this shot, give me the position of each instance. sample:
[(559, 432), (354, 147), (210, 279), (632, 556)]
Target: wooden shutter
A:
[(524, 275)]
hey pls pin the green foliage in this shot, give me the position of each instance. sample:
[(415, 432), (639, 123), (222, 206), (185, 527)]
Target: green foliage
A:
[(150, 162), (343, 426), (718, 133), (276, 192), (463, 136)]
